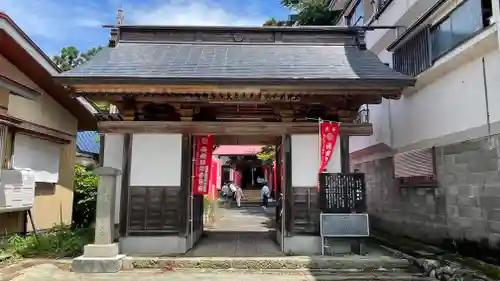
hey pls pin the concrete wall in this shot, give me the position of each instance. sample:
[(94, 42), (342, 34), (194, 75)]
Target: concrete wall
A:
[(446, 109), (464, 206), (53, 203)]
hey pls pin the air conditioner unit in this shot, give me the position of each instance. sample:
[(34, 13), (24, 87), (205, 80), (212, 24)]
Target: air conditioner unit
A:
[(17, 190)]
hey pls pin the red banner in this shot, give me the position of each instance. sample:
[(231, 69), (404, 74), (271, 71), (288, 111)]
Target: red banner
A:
[(328, 134), (202, 163)]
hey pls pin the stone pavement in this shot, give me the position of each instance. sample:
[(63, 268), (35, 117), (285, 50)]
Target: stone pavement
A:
[(251, 218), (50, 272), (239, 232)]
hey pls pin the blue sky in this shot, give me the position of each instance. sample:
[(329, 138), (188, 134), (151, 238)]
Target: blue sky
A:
[(54, 24)]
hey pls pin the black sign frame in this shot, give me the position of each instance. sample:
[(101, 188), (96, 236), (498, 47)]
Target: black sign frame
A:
[(342, 193)]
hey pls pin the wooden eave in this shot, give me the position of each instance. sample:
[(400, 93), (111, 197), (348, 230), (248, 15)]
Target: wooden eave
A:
[(137, 90), (131, 84)]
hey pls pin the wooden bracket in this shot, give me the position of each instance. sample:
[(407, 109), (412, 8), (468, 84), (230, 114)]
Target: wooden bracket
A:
[(286, 114), (186, 114)]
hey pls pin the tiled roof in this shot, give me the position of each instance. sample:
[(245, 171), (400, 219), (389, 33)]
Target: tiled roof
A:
[(87, 142), (238, 150), (237, 61)]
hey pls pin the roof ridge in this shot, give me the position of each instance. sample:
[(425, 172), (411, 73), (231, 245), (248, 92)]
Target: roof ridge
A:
[(196, 43)]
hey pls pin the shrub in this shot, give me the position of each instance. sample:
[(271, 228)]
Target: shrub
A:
[(61, 241), (85, 196)]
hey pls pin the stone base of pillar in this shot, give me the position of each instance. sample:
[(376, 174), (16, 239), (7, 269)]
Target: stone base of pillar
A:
[(99, 259)]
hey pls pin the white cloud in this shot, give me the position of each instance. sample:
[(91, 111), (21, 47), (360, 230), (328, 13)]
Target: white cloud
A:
[(58, 19), (58, 23), (190, 12), (48, 18)]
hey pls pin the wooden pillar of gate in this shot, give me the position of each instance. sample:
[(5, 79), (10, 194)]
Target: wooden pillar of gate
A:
[(287, 188), (186, 186), (356, 243), (344, 154)]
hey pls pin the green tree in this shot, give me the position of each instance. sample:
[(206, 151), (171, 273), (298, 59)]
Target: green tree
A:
[(85, 195), (267, 154), (308, 12), (71, 57), (275, 22)]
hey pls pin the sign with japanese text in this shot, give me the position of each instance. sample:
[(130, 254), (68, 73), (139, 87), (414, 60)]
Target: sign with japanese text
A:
[(202, 163)]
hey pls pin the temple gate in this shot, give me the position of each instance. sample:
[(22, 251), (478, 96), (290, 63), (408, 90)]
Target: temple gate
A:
[(244, 85)]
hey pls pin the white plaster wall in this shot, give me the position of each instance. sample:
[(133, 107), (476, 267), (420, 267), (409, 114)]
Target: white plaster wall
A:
[(452, 106), (113, 157), (156, 160), (305, 160), (448, 103), (379, 117)]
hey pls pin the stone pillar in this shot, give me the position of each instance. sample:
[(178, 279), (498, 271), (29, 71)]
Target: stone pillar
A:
[(102, 256)]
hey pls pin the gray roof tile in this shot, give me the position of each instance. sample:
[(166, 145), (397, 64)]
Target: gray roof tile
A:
[(238, 61)]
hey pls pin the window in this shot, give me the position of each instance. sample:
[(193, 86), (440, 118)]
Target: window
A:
[(460, 25), (415, 168), (413, 57), (427, 45), (356, 17)]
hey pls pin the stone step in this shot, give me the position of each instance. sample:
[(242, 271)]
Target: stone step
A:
[(352, 263)]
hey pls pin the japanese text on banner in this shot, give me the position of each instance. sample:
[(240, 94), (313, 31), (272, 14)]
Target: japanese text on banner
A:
[(202, 163), (328, 134)]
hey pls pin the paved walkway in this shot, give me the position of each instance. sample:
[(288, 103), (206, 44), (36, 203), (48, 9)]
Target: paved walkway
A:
[(250, 218), (239, 232)]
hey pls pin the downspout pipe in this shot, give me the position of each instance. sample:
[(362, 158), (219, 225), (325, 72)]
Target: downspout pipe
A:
[(486, 98)]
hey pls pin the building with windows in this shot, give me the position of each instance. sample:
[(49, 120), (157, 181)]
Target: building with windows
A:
[(432, 164)]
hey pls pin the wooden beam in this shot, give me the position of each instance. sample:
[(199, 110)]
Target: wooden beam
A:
[(247, 140), (227, 128)]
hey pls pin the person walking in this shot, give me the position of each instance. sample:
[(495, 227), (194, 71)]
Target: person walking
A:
[(225, 192), (232, 193), (238, 196), (264, 195)]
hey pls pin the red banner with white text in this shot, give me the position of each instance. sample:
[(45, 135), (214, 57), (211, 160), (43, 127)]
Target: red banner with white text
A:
[(202, 163), (329, 132)]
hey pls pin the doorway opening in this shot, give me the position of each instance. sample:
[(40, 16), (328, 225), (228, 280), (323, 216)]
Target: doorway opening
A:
[(246, 228)]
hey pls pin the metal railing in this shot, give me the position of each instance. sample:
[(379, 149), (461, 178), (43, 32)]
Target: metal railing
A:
[(363, 116)]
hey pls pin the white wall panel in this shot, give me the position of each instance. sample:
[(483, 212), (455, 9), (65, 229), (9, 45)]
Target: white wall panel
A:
[(156, 160), (305, 160)]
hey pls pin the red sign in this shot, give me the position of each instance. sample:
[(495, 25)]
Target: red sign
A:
[(202, 163), (328, 133)]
